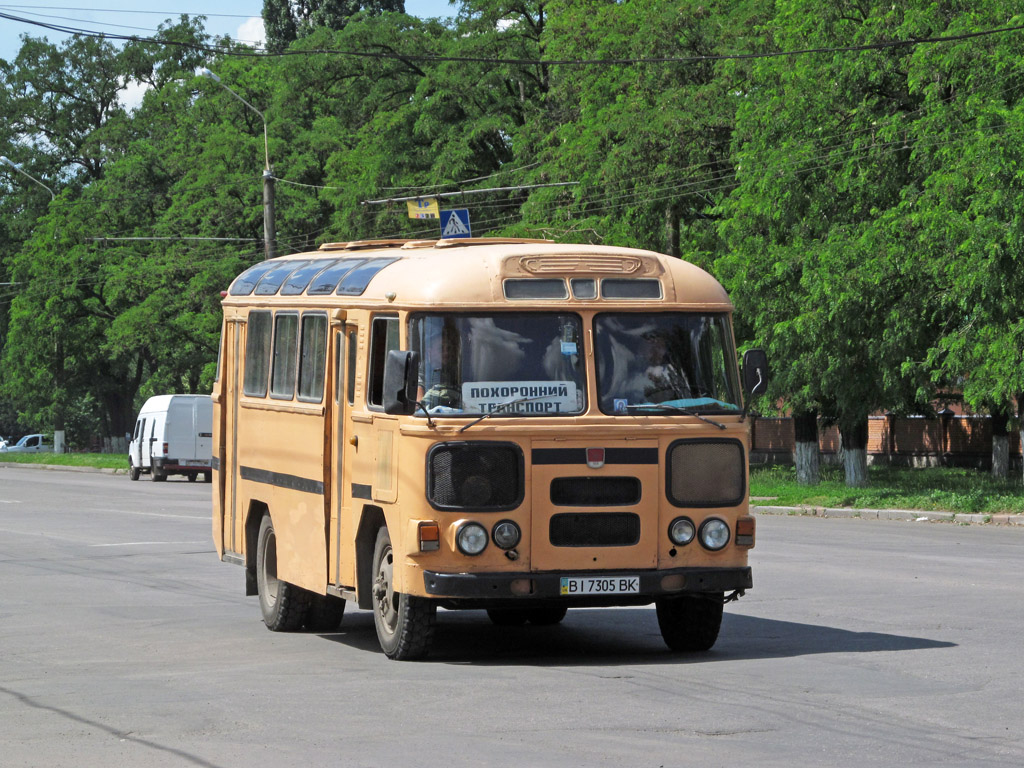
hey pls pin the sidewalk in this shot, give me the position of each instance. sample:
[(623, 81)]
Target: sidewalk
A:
[(906, 515)]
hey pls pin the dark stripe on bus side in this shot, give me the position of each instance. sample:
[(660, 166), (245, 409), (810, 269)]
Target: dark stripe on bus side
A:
[(360, 491), (579, 455), (281, 480)]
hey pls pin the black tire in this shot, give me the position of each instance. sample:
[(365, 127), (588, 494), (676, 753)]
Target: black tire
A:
[(325, 613), (404, 623), (284, 606), (690, 623), (192, 476), (208, 477), (133, 471), (157, 475)]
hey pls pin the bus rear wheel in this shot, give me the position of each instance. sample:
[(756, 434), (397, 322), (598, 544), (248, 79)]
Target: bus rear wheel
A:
[(284, 606), (404, 623), (325, 613), (690, 623)]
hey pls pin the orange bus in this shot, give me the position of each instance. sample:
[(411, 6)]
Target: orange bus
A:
[(516, 426)]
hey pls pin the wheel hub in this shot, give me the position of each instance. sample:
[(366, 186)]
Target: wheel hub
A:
[(383, 594)]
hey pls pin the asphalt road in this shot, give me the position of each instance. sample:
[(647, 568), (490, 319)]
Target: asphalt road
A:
[(123, 641)]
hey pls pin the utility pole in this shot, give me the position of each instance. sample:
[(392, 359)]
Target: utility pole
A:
[(269, 234), (268, 213)]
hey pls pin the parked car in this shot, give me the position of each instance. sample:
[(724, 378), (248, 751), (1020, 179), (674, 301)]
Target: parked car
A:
[(31, 444), (173, 436)]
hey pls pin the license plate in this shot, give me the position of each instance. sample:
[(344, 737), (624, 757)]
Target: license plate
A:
[(193, 462), (600, 585)]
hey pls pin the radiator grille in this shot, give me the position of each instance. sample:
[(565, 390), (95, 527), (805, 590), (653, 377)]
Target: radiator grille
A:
[(706, 473), (607, 529), (595, 491), (475, 476)]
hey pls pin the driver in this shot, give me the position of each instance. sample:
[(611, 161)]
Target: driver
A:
[(439, 380)]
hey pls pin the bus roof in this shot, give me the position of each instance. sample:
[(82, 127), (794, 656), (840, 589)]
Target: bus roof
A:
[(479, 272)]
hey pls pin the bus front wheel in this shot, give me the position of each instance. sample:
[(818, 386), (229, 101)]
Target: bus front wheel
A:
[(284, 606), (404, 623), (690, 622)]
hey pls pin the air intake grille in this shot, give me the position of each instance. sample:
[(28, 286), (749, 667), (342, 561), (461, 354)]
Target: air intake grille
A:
[(706, 473), (595, 491), (482, 477), (608, 529)]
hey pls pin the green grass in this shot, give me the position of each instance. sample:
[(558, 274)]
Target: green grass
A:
[(932, 489), (100, 460)]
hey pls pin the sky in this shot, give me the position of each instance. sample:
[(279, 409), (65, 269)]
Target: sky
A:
[(238, 18)]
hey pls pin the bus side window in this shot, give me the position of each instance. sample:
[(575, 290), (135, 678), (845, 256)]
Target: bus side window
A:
[(313, 358), (282, 379), (352, 349), (257, 354), (383, 338)]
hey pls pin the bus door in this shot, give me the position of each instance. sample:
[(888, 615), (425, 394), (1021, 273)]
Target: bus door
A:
[(342, 534), (228, 443)]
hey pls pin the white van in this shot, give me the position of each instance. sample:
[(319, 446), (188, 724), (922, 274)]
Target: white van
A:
[(173, 436)]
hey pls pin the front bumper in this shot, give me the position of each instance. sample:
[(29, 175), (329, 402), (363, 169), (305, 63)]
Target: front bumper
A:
[(547, 586)]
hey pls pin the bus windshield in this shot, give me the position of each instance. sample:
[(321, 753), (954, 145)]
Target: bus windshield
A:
[(502, 363), (665, 362)]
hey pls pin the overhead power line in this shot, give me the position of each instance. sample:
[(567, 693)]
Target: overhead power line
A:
[(126, 11), (467, 192), (218, 239), (428, 58)]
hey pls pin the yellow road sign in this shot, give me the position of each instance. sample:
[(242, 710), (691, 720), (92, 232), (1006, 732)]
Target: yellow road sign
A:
[(424, 208)]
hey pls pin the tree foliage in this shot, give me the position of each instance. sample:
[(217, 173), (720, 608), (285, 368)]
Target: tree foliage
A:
[(861, 204), (286, 21)]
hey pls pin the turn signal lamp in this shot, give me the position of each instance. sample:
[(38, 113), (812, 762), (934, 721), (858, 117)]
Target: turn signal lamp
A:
[(745, 527), (430, 537)]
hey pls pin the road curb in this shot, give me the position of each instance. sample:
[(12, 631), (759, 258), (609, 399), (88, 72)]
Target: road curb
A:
[(905, 515), (62, 468)]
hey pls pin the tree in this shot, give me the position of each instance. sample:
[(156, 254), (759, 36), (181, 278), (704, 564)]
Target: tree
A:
[(286, 21), (821, 155)]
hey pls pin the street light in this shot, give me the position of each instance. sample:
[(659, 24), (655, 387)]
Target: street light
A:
[(58, 420), (17, 167), (268, 174)]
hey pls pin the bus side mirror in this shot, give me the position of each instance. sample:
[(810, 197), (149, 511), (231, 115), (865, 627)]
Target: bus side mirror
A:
[(401, 376), (755, 371)]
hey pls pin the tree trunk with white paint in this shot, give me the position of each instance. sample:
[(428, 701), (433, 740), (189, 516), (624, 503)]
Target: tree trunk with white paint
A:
[(806, 455), (855, 453), (1000, 446)]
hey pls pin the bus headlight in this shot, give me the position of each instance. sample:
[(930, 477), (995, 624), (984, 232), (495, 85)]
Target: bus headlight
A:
[(713, 533), (471, 539), (681, 531), (506, 534)]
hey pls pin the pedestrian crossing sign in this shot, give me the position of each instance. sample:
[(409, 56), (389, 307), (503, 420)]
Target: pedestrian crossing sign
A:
[(455, 223)]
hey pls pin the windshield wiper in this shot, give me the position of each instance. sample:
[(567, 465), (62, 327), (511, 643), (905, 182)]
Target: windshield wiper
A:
[(501, 407), (677, 409)]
